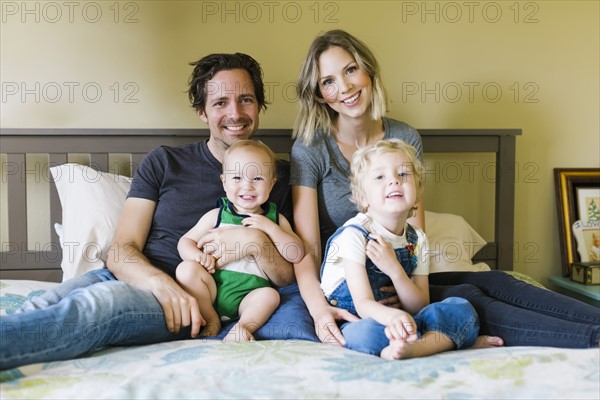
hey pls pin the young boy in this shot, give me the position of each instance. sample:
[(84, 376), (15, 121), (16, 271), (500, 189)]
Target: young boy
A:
[(379, 248), (238, 288)]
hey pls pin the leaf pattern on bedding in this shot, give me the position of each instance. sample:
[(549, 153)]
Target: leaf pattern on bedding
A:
[(512, 368), (10, 302), (183, 355), (237, 383), (262, 352), (10, 374), (38, 388), (372, 368)]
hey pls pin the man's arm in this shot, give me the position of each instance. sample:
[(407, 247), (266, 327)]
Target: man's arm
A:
[(287, 242), (232, 243), (127, 262)]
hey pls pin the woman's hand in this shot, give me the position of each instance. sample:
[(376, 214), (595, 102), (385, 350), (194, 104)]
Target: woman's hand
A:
[(326, 326)]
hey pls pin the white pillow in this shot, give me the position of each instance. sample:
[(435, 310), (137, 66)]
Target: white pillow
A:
[(452, 243), (91, 202)]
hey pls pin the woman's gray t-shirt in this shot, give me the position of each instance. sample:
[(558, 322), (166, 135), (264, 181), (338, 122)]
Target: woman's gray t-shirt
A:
[(322, 166)]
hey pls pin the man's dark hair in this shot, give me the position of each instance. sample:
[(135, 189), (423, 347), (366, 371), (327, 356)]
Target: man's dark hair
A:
[(208, 66)]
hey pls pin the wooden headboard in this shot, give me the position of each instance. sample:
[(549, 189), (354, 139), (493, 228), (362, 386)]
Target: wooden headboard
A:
[(19, 262)]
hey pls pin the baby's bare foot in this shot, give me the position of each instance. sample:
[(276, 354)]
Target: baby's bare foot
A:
[(239, 333), (212, 327), (397, 350)]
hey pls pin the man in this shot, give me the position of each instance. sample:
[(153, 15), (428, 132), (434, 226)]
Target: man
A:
[(136, 300)]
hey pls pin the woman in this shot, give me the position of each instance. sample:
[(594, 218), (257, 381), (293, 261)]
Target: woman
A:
[(342, 109)]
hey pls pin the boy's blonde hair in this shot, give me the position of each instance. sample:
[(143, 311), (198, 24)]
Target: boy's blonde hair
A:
[(256, 145), (361, 160), (314, 112)]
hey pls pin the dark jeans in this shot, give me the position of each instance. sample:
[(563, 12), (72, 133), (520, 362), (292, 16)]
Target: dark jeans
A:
[(520, 313)]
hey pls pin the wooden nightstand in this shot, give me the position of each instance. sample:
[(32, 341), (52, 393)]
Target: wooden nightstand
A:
[(587, 293)]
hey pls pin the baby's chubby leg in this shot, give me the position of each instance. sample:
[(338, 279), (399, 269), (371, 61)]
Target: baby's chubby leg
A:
[(255, 309), (195, 280)]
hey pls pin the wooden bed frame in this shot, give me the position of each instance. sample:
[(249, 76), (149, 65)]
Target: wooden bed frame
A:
[(18, 262)]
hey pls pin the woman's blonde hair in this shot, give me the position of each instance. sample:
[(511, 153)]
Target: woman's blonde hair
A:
[(361, 160), (314, 112)]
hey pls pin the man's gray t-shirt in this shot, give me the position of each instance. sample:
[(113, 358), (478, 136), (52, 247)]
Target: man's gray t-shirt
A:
[(322, 166)]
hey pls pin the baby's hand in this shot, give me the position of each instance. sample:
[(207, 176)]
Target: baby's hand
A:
[(207, 261), (257, 221), (382, 255)]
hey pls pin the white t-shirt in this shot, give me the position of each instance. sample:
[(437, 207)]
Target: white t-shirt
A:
[(351, 244)]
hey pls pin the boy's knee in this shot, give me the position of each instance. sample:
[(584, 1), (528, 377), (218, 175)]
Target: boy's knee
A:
[(366, 336)]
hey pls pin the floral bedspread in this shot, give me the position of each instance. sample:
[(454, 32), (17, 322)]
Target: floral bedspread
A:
[(291, 370)]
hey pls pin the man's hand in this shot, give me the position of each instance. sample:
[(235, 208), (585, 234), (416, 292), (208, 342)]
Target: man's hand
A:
[(326, 327), (180, 308), (231, 244)]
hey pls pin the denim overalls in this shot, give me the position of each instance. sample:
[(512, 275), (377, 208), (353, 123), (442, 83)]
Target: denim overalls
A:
[(341, 298), (453, 317)]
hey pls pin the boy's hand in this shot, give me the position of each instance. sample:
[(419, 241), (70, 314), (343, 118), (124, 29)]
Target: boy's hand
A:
[(402, 327), (382, 255), (258, 221)]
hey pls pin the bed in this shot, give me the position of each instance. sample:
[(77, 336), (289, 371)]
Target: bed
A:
[(265, 369)]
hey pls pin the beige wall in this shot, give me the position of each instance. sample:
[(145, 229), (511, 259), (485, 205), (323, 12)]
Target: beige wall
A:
[(506, 64)]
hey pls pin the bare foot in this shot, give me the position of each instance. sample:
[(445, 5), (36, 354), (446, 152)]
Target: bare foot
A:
[(397, 350), (239, 333), (486, 342), (212, 327)]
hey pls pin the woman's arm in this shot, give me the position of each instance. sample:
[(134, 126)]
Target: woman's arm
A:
[(129, 265), (306, 218)]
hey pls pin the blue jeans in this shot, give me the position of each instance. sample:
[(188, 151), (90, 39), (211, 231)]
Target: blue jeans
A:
[(453, 317), (96, 310), (520, 313)]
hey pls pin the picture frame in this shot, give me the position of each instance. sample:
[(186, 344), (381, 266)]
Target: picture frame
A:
[(575, 190)]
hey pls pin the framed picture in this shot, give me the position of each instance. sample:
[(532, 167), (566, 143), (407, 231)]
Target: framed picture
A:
[(578, 205)]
